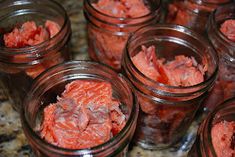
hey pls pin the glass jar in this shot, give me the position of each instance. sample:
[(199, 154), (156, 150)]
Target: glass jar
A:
[(225, 84), (107, 35), (19, 66), (51, 84), (192, 13), (203, 146), (167, 111)]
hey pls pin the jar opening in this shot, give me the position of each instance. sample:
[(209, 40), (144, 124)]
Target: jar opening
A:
[(13, 14), (170, 41)]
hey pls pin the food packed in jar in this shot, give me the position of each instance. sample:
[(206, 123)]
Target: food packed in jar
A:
[(192, 13), (182, 71), (31, 42), (171, 79), (80, 108), (223, 138), (29, 34), (228, 29), (227, 74), (84, 116), (111, 21), (122, 8), (216, 134), (221, 33)]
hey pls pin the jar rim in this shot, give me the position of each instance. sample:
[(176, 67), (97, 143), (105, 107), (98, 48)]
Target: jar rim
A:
[(215, 25), (180, 29), (96, 149), (30, 49)]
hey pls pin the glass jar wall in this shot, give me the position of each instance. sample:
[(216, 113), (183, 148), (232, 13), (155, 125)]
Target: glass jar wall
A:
[(109, 25), (192, 13)]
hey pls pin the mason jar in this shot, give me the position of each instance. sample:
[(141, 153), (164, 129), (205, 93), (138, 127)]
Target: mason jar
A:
[(48, 86), (192, 13), (225, 84), (204, 145), (19, 66), (107, 35), (167, 111)]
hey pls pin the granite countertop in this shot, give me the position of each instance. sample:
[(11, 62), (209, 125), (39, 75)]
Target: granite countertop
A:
[(12, 140)]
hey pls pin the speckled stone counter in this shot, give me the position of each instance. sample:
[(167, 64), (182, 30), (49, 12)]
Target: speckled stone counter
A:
[(12, 140)]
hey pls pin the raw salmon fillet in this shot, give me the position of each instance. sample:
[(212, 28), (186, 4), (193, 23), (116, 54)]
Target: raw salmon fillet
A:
[(228, 29), (122, 8), (29, 34), (177, 14), (86, 115), (223, 139), (182, 71)]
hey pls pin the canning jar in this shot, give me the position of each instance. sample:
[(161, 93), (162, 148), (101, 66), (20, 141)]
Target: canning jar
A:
[(107, 32), (209, 140), (192, 13), (21, 58), (166, 111), (48, 86), (225, 84)]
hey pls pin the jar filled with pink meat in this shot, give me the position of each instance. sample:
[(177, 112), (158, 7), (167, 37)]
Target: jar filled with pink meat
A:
[(221, 33), (172, 69), (109, 23), (216, 135), (192, 13), (34, 35), (80, 108)]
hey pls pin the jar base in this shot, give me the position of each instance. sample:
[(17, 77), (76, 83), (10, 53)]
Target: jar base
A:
[(183, 145)]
